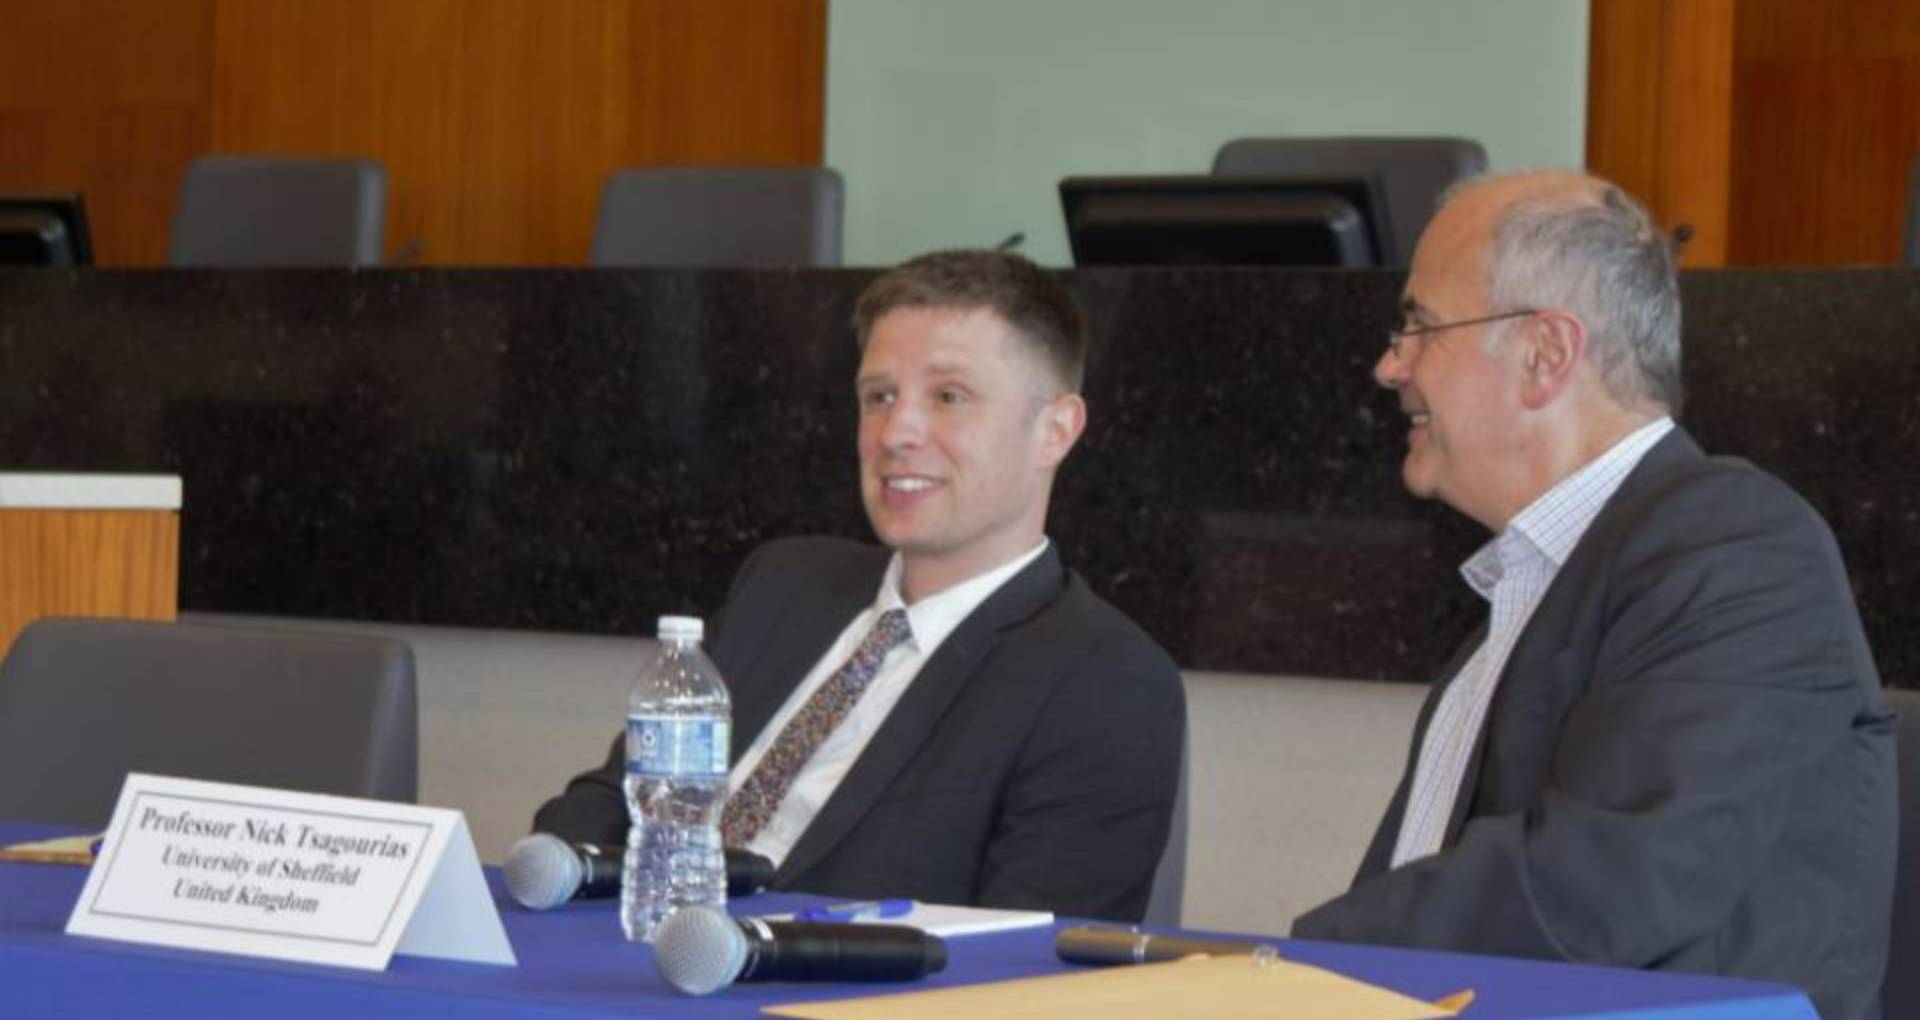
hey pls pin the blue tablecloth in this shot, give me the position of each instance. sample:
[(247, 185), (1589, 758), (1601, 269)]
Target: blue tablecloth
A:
[(573, 963)]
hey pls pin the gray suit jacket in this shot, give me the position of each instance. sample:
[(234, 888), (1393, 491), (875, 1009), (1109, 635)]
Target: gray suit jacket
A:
[(1689, 763), (1031, 763)]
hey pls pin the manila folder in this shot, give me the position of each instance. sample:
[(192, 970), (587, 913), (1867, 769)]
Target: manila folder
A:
[(1202, 988)]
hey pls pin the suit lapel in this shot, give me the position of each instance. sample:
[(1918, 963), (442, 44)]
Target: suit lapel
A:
[(1545, 633), (920, 709)]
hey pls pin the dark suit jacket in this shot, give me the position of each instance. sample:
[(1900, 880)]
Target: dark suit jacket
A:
[(1031, 763), (1688, 765)]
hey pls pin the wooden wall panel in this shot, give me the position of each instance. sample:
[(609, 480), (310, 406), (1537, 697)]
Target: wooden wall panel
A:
[(1660, 108), (1784, 131), (109, 97), (498, 119), (694, 66), (1625, 40), (1827, 126)]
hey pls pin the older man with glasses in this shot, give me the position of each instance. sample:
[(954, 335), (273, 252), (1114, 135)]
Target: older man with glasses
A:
[(1668, 747)]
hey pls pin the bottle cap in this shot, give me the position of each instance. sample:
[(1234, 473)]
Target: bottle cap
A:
[(684, 628)]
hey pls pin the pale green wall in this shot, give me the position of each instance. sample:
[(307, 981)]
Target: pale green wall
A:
[(953, 120)]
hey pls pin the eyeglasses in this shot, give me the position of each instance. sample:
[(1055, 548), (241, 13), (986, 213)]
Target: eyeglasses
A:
[(1399, 333)]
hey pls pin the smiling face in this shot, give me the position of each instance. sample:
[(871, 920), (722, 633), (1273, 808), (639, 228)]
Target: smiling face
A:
[(961, 428), (1463, 401)]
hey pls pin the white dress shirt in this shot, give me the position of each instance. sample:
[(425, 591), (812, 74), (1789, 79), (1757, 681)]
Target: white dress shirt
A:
[(1513, 572), (931, 619)]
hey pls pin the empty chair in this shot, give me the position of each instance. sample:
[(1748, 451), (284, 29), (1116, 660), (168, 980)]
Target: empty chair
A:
[(1413, 171), (768, 217), (85, 701), (280, 211), (1900, 994), (1169, 892)]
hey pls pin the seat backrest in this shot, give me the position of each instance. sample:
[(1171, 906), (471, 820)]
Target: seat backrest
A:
[(85, 701), (280, 211), (1900, 994), (1413, 171), (768, 217), (1168, 895)]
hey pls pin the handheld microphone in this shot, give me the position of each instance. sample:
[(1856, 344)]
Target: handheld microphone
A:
[(543, 871), (701, 950), (1104, 947)]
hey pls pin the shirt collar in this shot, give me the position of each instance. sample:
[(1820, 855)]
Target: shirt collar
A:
[(1553, 524), (934, 617), (1503, 553)]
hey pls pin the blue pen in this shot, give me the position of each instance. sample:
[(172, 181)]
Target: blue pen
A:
[(861, 911)]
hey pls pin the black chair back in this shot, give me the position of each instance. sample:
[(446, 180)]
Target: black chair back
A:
[(1413, 172), (1900, 994), (85, 701), (269, 211), (766, 217), (1170, 877)]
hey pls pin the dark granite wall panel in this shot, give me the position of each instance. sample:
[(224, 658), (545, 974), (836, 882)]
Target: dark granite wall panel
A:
[(581, 450)]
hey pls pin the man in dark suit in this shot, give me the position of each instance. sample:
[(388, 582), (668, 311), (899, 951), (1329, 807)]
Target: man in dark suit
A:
[(954, 717), (1668, 748)]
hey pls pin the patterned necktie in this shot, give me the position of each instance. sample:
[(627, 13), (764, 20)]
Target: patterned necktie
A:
[(757, 799)]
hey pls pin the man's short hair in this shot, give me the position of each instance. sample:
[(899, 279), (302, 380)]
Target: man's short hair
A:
[(1041, 310), (1602, 257)]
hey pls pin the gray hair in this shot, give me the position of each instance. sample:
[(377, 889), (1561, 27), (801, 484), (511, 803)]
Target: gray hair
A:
[(1601, 257)]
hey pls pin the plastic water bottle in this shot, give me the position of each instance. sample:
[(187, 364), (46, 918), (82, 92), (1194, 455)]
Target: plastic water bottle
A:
[(678, 723)]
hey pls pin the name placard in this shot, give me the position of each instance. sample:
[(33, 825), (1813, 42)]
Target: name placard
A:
[(292, 876)]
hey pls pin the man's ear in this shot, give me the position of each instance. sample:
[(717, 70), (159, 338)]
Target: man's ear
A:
[(1555, 342), (1061, 422)]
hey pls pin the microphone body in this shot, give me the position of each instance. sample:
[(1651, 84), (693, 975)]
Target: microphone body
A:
[(1105, 947), (543, 871), (700, 950), (747, 872), (838, 951)]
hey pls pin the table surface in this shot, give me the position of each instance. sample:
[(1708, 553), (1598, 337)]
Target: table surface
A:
[(573, 963)]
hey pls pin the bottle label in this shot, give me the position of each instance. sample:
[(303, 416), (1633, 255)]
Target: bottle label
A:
[(677, 746)]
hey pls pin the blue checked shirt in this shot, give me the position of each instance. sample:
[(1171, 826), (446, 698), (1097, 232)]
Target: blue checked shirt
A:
[(1513, 572)]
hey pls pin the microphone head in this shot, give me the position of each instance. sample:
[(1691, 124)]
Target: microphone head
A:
[(542, 871), (699, 949)]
